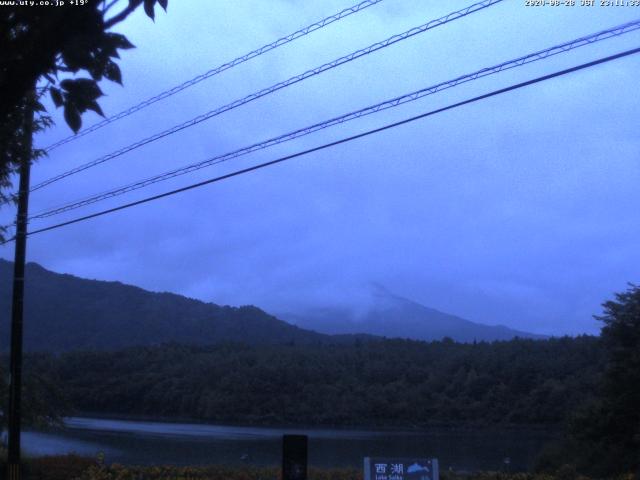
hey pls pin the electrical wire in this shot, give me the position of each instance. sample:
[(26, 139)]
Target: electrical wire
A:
[(394, 102), (219, 69), (341, 141), (278, 86)]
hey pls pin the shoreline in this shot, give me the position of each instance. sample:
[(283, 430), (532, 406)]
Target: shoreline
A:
[(406, 429)]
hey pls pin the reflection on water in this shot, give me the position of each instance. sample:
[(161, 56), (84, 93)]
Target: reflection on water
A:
[(144, 443), (38, 443)]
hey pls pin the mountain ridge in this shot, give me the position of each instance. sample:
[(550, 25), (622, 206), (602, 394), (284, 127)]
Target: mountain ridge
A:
[(64, 312), (391, 315)]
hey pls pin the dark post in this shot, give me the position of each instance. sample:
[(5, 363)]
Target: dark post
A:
[(294, 457), (15, 387)]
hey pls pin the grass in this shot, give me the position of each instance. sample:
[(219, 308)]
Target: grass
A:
[(75, 467)]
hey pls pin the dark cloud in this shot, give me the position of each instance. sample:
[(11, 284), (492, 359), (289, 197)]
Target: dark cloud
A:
[(521, 210)]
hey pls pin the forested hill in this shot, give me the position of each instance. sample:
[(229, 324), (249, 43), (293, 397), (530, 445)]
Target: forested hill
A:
[(395, 383), (64, 312)]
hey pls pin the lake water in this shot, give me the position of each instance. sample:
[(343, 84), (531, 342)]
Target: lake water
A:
[(144, 443)]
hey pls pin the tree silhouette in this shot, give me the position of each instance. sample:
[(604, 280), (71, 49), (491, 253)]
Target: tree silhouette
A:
[(605, 436), (41, 44)]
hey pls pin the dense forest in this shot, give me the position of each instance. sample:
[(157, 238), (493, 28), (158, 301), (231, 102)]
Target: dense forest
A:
[(397, 383)]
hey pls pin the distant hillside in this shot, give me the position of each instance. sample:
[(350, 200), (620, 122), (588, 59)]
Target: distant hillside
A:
[(392, 316), (63, 313)]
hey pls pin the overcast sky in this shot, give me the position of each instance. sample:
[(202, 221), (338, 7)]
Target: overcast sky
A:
[(522, 210)]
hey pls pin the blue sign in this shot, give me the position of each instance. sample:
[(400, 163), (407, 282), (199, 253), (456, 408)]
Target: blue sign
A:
[(378, 468)]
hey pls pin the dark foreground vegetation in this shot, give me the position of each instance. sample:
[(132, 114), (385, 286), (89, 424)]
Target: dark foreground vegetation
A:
[(72, 467)]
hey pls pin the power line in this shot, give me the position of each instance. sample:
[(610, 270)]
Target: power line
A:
[(219, 69), (278, 86), (343, 140), (394, 102)]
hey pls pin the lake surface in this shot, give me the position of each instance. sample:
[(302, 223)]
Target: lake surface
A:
[(145, 443)]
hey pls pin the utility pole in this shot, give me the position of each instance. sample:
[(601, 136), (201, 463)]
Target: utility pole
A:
[(17, 307)]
